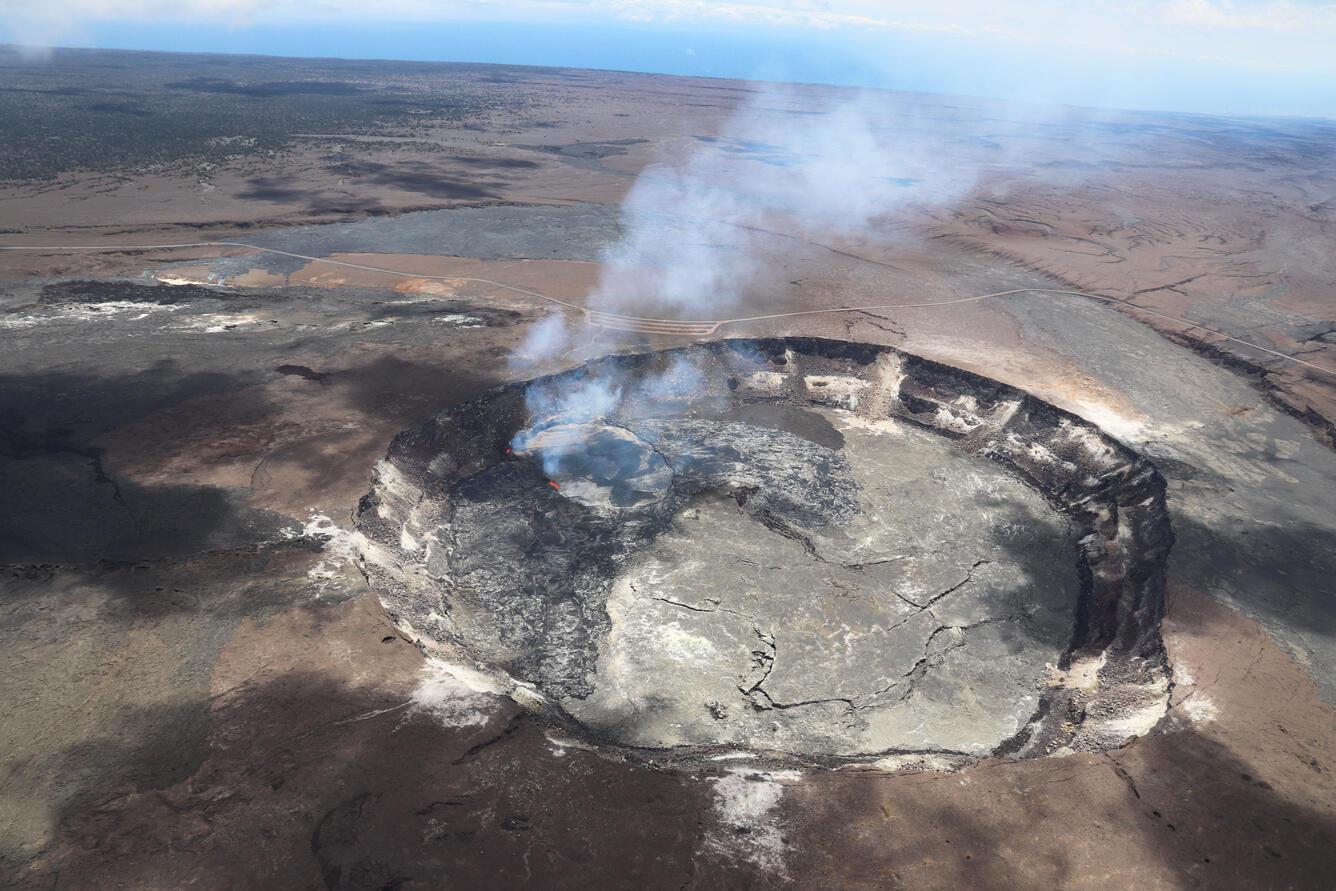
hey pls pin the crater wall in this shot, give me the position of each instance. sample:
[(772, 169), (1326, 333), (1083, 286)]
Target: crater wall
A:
[(482, 542)]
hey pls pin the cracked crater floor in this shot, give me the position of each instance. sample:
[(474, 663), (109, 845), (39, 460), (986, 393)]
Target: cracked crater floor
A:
[(925, 623)]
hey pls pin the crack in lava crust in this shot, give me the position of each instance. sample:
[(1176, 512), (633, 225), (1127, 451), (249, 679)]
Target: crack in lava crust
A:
[(817, 549)]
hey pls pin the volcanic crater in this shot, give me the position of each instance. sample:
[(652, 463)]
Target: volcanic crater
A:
[(804, 548)]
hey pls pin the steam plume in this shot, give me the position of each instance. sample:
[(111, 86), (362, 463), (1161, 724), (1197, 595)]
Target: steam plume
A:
[(699, 231), (695, 231)]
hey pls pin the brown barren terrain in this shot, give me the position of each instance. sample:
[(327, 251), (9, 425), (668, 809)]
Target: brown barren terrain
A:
[(200, 688)]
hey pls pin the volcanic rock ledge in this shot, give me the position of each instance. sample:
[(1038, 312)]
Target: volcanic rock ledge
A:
[(809, 548)]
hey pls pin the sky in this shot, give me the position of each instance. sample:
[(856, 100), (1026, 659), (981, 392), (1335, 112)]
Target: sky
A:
[(1274, 57)]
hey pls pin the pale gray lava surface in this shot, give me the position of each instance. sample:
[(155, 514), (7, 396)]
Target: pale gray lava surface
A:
[(798, 546), (922, 622)]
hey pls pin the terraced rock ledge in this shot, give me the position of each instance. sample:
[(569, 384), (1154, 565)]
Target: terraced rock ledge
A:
[(806, 549)]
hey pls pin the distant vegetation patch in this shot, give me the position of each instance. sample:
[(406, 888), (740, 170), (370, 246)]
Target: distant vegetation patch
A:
[(277, 88), (117, 111)]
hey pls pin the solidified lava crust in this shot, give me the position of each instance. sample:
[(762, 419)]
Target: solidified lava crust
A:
[(796, 462)]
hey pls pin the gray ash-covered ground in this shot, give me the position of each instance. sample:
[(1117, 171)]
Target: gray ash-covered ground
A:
[(778, 545), (578, 232)]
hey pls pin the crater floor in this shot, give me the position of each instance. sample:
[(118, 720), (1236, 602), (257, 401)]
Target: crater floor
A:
[(925, 622)]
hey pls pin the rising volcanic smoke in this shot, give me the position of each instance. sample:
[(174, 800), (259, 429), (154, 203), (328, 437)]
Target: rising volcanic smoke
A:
[(696, 232)]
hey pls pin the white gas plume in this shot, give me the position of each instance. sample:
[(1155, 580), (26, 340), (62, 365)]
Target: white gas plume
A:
[(570, 404), (699, 233), (805, 163)]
